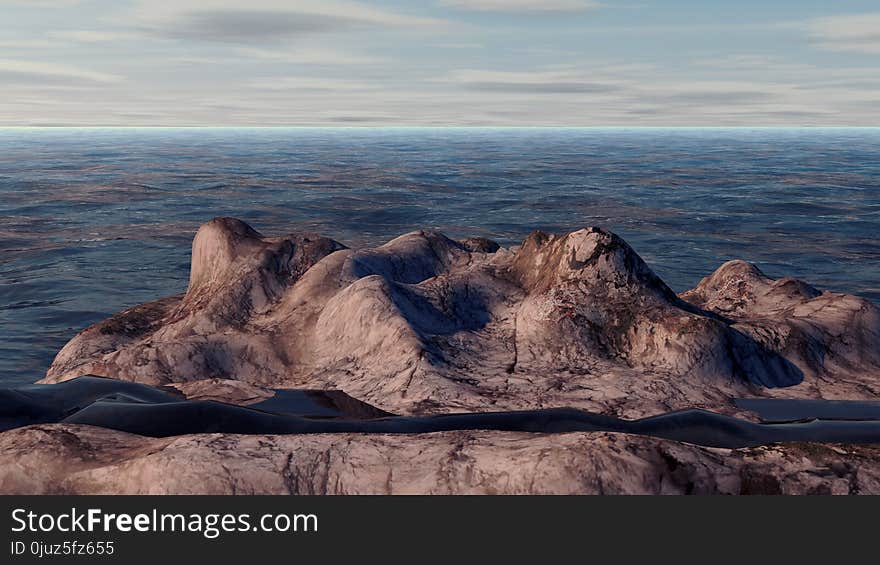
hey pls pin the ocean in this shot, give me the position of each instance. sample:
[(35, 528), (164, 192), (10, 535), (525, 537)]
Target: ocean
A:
[(94, 220)]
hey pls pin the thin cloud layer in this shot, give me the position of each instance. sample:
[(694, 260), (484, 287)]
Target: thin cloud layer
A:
[(853, 32), (436, 62), (264, 20), (18, 72), (540, 82), (522, 6)]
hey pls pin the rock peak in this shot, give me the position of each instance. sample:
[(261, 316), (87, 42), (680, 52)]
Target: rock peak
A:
[(426, 324)]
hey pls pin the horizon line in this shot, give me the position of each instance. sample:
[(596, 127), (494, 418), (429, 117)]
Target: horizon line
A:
[(805, 127)]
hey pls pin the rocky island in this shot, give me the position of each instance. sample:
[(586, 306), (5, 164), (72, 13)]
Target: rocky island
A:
[(294, 364)]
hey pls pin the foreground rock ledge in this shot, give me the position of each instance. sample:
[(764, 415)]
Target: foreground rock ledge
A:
[(425, 324), (64, 459)]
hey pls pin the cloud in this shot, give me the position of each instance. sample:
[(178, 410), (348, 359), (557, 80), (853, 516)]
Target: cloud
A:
[(310, 84), (27, 44), (539, 82), (41, 2), (30, 72), (522, 6), (260, 21), (660, 95), (308, 56), (722, 95), (330, 62), (459, 45), (93, 36), (853, 32)]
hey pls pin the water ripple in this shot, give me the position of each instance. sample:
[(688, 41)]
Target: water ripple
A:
[(96, 220)]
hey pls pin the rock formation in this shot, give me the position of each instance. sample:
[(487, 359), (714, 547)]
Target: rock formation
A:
[(428, 325), (834, 339), (67, 459)]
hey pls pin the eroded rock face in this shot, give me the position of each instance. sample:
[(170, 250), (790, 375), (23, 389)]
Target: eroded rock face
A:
[(68, 459), (426, 324), (599, 299), (834, 339)]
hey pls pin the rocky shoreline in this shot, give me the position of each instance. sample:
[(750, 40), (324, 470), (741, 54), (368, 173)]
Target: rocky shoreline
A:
[(425, 325)]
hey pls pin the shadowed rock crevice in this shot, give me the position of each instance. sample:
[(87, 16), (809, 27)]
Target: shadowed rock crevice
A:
[(148, 411), (824, 334)]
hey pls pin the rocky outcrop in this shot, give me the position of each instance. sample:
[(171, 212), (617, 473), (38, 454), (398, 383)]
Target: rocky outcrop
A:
[(589, 295), (67, 459), (834, 339), (427, 324)]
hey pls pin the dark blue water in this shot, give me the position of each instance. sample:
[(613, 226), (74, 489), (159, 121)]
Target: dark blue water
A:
[(96, 220)]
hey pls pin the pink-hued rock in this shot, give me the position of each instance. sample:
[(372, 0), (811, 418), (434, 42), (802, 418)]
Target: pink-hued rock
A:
[(834, 339), (66, 459), (426, 324)]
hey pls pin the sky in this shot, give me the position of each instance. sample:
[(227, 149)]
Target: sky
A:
[(439, 63)]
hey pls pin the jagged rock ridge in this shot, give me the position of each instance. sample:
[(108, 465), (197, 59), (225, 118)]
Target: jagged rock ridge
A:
[(427, 324)]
